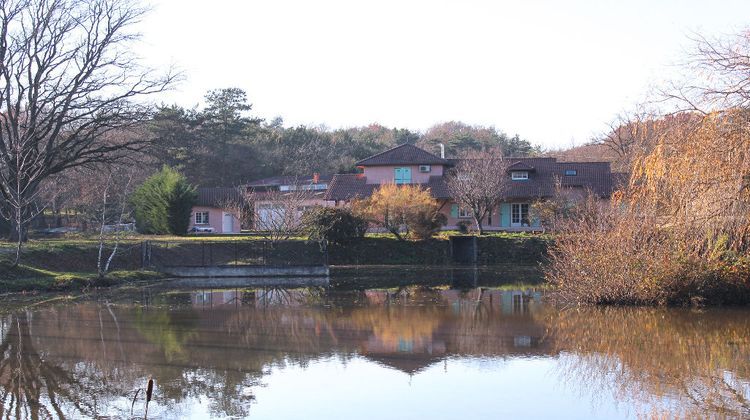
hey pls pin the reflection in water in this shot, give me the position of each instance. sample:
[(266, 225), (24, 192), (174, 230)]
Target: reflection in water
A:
[(676, 362), (215, 350)]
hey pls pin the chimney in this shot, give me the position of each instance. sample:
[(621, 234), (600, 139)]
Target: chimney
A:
[(316, 178), (442, 151)]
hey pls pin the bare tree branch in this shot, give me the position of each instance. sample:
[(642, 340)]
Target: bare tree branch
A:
[(478, 183), (69, 92)]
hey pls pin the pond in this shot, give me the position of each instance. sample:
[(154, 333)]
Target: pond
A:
[(408, 352)]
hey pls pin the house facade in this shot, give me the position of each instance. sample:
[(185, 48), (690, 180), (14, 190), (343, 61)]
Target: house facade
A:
[(210, 215), (530, 179), (282, 199)]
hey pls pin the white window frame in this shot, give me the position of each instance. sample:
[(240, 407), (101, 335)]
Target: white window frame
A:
[(425, 169), (519, 175), (464, 213), (516, 217), (200, 219)]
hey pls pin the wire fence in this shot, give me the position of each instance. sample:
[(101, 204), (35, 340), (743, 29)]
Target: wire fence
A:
[(232, 253)]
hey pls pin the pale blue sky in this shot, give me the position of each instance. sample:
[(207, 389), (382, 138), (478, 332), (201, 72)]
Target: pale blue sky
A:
[(555, 72)]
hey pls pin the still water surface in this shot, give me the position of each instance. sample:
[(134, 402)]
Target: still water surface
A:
[(414, 352)]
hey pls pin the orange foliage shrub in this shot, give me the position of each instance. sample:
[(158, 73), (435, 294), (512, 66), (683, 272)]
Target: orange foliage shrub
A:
[(678, 233)]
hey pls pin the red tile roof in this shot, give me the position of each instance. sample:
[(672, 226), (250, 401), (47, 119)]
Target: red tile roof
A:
[(348, 187), (405, 154), (594, 176), (217, 196)]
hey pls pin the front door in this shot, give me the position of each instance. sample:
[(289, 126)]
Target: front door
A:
[(227, 225), (519, 215)]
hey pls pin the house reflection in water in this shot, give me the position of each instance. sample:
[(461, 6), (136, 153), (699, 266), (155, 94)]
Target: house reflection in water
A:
[(210, 298), (407, 329), (411, 333)]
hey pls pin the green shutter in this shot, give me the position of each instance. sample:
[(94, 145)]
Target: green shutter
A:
[(454, 211), (402, 175), (505, 215)]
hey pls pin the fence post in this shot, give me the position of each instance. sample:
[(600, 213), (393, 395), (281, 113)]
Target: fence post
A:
[(144, 246)]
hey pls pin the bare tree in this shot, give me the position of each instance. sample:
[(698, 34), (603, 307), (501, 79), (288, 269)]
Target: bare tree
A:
[(717, 75), (627, 132), (478, 182), (278, 213), (118, 185), (69, 85), (240, 205)]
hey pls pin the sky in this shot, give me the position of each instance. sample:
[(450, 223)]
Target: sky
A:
[(555, 72)]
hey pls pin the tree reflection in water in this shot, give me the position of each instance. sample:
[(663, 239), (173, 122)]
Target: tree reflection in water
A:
[(670, 362), (213, 348)]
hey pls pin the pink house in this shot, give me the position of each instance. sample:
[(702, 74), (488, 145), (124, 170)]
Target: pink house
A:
[(530, 179), (209, 214), (271, 209)]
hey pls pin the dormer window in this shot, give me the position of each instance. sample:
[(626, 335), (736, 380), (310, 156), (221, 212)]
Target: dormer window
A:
[(519, 175), (571, 172)]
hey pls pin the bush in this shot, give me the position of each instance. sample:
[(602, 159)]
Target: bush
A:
[(425, 223), (163, 203), (333, 224), (463, 227), (397, 207), (608, 254)]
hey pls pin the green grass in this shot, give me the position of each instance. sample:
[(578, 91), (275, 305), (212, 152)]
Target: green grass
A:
[(79, 241), (91, 240), (445, 234), (26, 278)]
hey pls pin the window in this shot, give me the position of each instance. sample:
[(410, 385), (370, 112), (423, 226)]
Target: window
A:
[(463, 213), (201, 217), (310, 187), (519, 215), (402, 175), (424, 168), (519, 175), (571, 172)]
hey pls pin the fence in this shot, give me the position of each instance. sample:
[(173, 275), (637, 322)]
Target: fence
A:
[(232, 253)]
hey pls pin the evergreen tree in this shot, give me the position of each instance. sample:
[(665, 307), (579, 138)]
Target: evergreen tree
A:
[(163, 203)]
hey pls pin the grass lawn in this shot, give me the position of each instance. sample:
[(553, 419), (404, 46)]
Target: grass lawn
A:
[(92, 240), (27, 278)]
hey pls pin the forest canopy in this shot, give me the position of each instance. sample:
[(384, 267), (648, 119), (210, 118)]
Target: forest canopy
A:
[(224, 145)]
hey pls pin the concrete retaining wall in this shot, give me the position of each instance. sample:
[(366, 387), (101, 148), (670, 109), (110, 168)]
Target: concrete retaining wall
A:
[(247, 271), (243, 282)]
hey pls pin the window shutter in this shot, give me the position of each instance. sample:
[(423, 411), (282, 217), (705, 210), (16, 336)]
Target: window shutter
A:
[(454, 211)]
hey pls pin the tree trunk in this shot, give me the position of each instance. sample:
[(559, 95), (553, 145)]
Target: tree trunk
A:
[(19, 233), (478, 223)]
